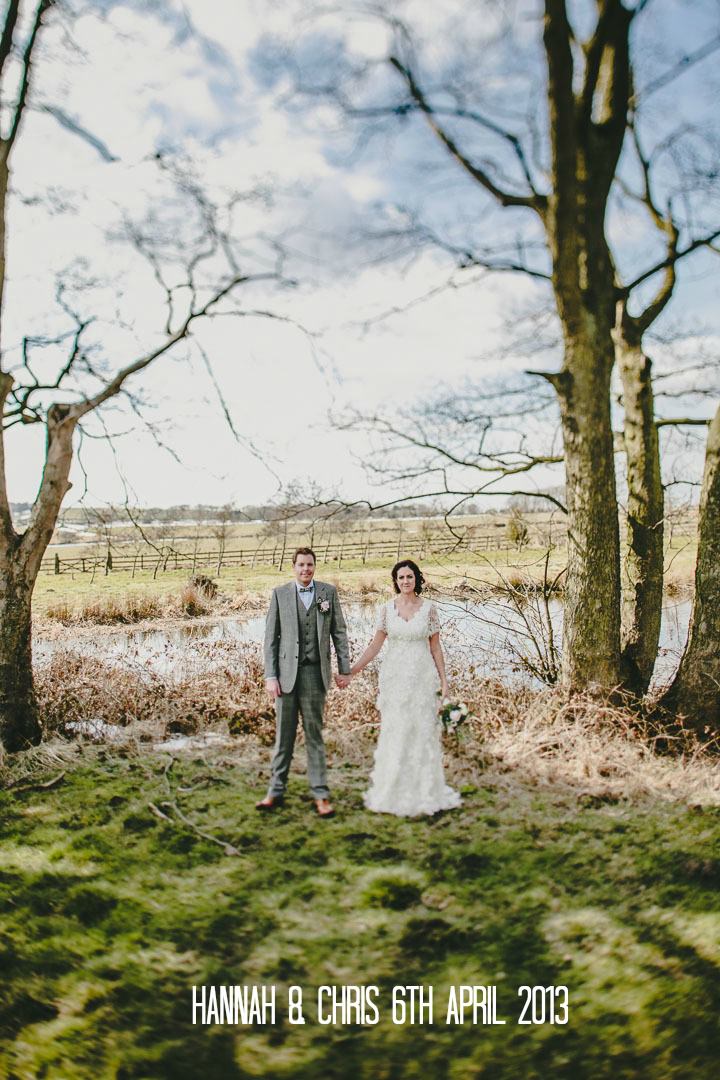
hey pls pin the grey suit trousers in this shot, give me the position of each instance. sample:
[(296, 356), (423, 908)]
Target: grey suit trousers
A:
[(307, 698)]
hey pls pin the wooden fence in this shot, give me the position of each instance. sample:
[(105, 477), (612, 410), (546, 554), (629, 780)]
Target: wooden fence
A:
[(277, 550), (275, 553)]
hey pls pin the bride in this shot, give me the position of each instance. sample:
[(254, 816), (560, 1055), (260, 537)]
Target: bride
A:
[(408, 777)]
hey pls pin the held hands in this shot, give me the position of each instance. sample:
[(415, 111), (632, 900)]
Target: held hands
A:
[(342, 681), (273, 688)]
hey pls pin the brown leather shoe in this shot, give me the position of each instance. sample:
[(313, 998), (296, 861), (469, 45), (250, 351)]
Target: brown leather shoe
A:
[(270, 802), (324, 808)]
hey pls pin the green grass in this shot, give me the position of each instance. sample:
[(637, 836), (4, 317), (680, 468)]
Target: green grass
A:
[(255, 581), (79, 587), (111, 915), (489, 567), (352, 576)]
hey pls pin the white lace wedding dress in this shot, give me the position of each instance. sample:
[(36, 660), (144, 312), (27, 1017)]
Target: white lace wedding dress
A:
[(408, 777)]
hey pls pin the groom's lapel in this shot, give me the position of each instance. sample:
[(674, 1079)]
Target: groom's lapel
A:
[(290, 597)]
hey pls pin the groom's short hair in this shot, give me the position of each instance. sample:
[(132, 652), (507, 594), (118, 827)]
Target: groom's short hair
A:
[(304, 551)]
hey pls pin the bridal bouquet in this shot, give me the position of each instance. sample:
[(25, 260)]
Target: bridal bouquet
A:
[(452, 714)]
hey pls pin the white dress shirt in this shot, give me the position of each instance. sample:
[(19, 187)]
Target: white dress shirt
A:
[(306, 597)]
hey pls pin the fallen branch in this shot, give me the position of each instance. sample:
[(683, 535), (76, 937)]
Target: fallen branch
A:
[(45, 786), (228, 849)]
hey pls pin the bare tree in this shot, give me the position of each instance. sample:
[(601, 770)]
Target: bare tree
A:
[(197, 271), (220, 530), (553, 168), (642, 579), (462, 444)]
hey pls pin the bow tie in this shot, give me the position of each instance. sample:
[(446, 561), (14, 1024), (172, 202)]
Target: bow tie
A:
[(310, 588)]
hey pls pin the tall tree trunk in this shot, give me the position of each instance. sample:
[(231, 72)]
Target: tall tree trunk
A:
[(19, 719), (589, 90), (695, 692), (20, 557), (642, 573), (587, 130), (591, 636)]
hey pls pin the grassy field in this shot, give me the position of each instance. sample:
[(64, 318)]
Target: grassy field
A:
[(113, 913), (353, 577), (359, 548), (485, 571)]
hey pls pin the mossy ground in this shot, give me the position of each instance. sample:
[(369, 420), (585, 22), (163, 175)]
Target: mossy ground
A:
[(112, 914)]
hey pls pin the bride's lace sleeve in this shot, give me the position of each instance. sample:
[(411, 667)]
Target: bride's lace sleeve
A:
[(433, 621), (381, 619)]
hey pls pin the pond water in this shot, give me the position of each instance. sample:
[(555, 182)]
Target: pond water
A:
[(491, 635)]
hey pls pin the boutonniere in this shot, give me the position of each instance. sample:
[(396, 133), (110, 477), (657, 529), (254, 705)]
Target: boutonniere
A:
[(324, 606)]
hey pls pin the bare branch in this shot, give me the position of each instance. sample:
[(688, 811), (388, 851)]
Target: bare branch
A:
[(670, 260), (536, 495), (43, 7), (535, 201), (7, 32), (682, 421), (684, 64), (115, 385), (74, 126)]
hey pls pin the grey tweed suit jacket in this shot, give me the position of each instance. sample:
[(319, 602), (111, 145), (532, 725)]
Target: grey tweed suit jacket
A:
[(282, 634)]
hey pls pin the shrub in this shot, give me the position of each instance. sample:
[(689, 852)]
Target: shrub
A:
[(205, 585), (61, 611), (194, 600)]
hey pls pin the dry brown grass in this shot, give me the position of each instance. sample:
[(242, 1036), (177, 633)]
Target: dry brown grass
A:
[(108, 610), (597, 750), (195, 601), (73, 689), (130, 608), (367, 587), (600, 750)]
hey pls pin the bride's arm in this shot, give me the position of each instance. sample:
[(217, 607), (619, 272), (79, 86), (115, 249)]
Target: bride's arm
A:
[(370, 653), (436, 649)]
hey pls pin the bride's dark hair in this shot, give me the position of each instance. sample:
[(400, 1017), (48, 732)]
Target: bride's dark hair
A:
[(419, 579)]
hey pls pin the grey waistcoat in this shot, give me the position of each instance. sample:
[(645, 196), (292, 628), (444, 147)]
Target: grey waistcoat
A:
[(309, 646)]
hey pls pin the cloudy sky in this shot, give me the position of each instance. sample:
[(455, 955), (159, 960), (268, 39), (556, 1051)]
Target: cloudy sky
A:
[(211, 83)]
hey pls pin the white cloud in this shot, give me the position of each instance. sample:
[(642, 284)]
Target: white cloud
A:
[(138, 88)]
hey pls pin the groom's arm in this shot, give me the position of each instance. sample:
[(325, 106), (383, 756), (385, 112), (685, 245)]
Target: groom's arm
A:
[(338, 632), (272, 638)]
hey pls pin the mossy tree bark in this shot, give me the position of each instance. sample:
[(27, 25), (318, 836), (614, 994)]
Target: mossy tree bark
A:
[(642, 578), (19, 720), (695, 691), (20, 558), (642, 571), (587, 128)]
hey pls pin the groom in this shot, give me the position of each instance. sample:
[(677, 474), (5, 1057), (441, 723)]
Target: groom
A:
[(303, 616)]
